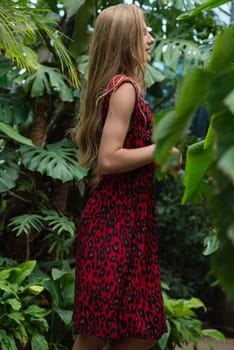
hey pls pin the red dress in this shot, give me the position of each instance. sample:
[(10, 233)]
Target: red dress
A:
[(118, 292)]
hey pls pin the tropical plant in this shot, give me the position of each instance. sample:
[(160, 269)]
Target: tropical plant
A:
[(60, 236), (184, 327), (209, 165), (181, 230), (23, 321), (40, 181), (23, 27), (60, 288)]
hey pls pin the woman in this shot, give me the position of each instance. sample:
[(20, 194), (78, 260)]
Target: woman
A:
[(118, 300)]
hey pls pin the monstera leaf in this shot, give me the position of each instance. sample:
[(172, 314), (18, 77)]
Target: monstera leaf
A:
[(171, 52), (9, 169), (153, 75), (12, 109), (48, 80), (58, 160)]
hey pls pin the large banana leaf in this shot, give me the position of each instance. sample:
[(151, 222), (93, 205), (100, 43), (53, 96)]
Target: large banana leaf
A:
[(198, 162), (173, 124), (58, 160), (213, 86)]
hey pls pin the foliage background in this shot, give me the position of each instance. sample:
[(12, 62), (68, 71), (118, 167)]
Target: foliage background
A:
[(42, 188)]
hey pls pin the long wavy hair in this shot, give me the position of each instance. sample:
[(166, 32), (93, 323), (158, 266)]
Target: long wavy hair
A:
[(117, 47)]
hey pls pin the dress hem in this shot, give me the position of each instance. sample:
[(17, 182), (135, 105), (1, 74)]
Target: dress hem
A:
[(122, 336)]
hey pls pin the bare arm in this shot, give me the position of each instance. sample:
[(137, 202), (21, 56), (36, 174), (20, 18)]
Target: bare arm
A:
[(113, 157)]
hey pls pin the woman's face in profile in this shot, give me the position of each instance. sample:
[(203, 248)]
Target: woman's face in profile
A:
[(148, 41)]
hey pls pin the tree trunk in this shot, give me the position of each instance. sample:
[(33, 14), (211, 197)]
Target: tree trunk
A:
[(38, 133)]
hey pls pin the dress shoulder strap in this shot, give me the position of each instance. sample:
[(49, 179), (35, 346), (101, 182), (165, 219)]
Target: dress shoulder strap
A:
[(113, 85), (120, 79)]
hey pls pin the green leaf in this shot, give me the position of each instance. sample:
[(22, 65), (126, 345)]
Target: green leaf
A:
[(72, 6), (5, 273), (83, 64), (82, 18), (223, 125), (22, 271), (36, 311), (39, 342), (57, 274), (208, 5), (26, 223), (224, 47), (9, 288), (48, 80), (222, 215), (54, 290), (198, 162), (9, 173), (229, 101), (58, 223), (6, 341), (153, 75), (221, 262), (5, 65), (36, 290), (14, 134), (18, 317), (226, 163), (21, 334), (214, 334), (170, 128), (162, 342), (166, 135), (65, 315), (22, 23), (12, 109), (211, 243), (169, 52), (59, 161), (194, 303), (230, 233), (190, 97), (216, 96), (15, 304)]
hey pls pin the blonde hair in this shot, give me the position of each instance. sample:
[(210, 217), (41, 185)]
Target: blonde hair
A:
[(117, 47)]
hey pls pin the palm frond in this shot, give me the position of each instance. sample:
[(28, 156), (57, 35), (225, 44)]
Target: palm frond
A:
[(21, 26)]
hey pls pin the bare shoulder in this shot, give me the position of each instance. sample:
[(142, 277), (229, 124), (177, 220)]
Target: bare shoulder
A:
[(124, 96)]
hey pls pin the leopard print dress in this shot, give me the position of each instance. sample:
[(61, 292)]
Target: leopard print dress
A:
[(118, 292)]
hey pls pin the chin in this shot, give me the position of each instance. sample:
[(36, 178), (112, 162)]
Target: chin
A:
[(148, 58)]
